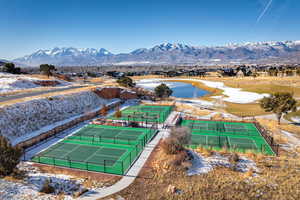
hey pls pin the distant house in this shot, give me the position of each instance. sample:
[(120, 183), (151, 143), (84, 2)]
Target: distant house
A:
[(115, 74), (240, 74), (226, 72)]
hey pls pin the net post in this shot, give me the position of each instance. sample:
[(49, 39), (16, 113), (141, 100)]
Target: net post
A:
[(39, 159), (104, 166), (122, 168), (53, 161)]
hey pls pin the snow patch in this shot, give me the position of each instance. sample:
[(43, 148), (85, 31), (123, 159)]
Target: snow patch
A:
[(203, 165), (12, 82), (31, 186)]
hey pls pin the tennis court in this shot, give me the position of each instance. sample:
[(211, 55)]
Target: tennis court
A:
[(235, 136), (145, 113), (91, 156), (114, 134)]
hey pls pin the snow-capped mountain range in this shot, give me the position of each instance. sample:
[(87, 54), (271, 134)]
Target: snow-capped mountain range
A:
[(168, 53)]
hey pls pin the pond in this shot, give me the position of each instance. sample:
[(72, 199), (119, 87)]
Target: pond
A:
[(180, 90)]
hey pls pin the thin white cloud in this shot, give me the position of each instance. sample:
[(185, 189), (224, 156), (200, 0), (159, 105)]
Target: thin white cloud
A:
[(264, 11)]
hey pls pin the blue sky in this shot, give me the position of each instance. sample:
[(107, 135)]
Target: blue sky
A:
[(124, 25)]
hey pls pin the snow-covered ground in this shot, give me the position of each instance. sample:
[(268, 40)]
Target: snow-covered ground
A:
[(11, 82), (198, 103), (24, 120), (234, 95), (202, 165), (296, 119), (30, 187), (294, 142)]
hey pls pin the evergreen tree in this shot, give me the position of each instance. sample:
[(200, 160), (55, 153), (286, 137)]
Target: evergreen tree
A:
[(47, 69), (279, 103), (163, 91), (9, 157)]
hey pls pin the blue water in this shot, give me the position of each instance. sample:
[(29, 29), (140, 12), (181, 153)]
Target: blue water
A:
[(185, 90)]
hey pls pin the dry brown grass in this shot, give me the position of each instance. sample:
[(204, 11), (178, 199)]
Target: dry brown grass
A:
[(41, 76), (279, 179), (262, 84), (180, 107), (244, 110), (137, 78), (275, 128)]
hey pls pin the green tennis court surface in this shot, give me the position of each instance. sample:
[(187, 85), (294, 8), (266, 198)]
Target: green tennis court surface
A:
[(101, 148), (114, 134), (235, 136), (145, 113), (85, 155)]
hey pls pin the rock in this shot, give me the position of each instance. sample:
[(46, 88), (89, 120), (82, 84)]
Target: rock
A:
[(171, 189), (125, 95), (108, 92), (119, 198)]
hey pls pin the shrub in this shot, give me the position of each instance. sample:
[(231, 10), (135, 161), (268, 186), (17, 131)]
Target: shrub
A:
[(126, 82), (118, 113), (10, 68), (103, 110), (234, 158), (177, 139), (47, 188), (171, 146), (9, 157), (179, 159), (182, 134)]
